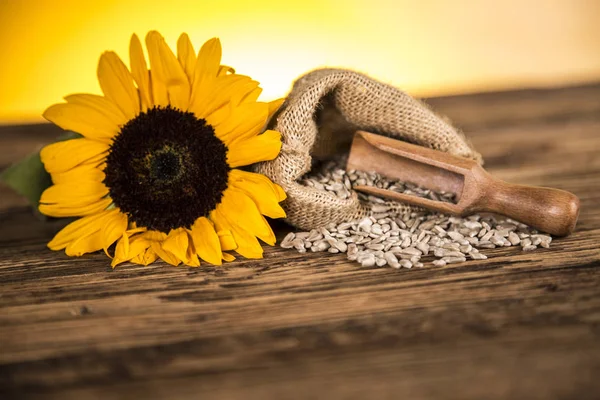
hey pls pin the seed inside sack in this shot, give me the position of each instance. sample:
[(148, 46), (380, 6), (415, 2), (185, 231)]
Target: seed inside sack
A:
[(390, 238)]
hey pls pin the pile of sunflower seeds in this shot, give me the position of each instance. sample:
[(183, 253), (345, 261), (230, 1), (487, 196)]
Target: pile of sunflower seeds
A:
[(401, 240)]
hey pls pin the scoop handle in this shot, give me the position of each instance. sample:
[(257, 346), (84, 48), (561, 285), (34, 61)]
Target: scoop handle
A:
[(549, 210)]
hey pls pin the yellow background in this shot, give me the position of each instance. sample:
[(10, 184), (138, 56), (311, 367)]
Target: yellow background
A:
[(50, 48)]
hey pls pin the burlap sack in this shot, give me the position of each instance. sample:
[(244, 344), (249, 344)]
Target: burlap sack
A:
[(319, 117)]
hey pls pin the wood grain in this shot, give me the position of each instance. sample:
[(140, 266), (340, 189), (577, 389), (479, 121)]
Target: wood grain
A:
[(518, 325)]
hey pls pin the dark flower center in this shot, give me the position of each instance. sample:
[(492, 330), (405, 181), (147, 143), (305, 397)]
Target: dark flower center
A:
[(166, 168)]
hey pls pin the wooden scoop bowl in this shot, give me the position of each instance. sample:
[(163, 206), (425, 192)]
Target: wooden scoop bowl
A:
[(549, 210)]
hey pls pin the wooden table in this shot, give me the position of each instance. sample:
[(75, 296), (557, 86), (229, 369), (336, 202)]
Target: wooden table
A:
[(518, 325)]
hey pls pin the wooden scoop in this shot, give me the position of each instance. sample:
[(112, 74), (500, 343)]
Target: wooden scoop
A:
[(549, 210)]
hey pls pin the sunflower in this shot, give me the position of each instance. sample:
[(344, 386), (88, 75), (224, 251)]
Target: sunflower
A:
[(156, 169)]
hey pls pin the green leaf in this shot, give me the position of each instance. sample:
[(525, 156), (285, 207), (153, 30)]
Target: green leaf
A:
[(28, 177)]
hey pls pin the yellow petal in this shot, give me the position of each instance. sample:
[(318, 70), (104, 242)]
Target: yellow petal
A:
[(245, 93), (225, 70), (216, 94), (117, 84), (263, 147), (191, 258), (63, 156), (101, 104), (186, 55), (139, 71), (280, 192), (121, 250), (274, 106), (222, 92), (60, 211), (205, 71), (228, 257), (82, 119), (133, 229), (218, 116), (226, 240), (76, 229), (245, 121), (74, 193), (241, 211), (247, 244), (145, 258), (177, 243), (270, 238), (206, 241), (113, 228), (160, 96), (90, 171), (166, 256), (155, 236), (85, 244), (168, 70), (127, 249), (253, 95), (260, 189)]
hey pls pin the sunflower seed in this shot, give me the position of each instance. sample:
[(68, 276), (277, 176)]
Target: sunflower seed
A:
[(452, 246), (439, 230), (352, 252), (477, 256), (299, 245), (376, 229), (427, 225), (365, 225), (543, 238), (452, 253), (513, 238), (368, 261), (487, 236), (450, 260), (391, 259), (380, 262), (341, 246), (497, 240), (465, 248), (472, 225), (472, 240), (389, 237), (324, 232), (423, 247), (286, 243), (379, 208), (412, 251), (455, 236)]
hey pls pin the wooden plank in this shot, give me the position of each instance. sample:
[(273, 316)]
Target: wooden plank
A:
[(518, 325)]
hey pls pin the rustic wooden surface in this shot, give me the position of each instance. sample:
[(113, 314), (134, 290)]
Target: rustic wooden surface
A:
[(518, 325)]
